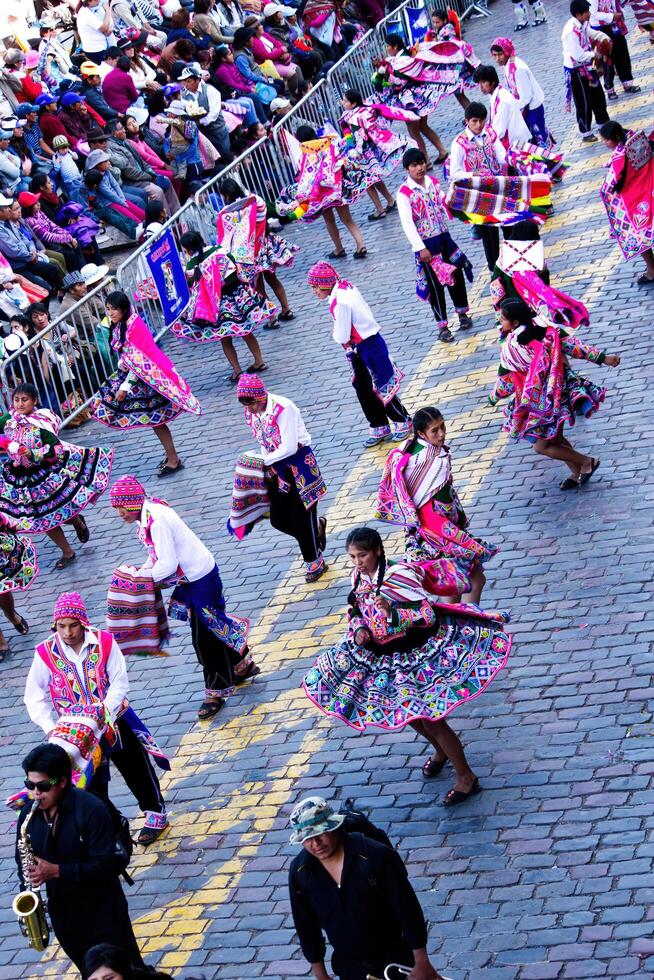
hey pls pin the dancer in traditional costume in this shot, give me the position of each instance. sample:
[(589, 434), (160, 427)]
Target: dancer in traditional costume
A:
[(374, 144), (221, 306), (177, 557), (376, 378), (146, 391), (262, 252), (628, 194), (18, 569), (326, 185), (644, 14), (521, 83), (417, 492), (406, 660), (289, 470), (607, 17), (584, 54), (544, 392), (79, 668), (45, 482), (447, 27), (439, 260), (520, 9), (481, 192), (416, 80)]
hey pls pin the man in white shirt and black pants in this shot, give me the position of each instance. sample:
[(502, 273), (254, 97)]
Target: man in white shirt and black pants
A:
[(176, 556), (376, 378), (212, 124), (580, 62), (606, 16), (78, 666)]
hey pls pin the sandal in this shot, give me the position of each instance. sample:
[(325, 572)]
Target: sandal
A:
[(569, 484), (322, 533), (440, 160), (286, 316), (167, 470), (65, 561), (433, 767), (149, 834), (210, 708), (360, 253), (376, 216), (252, 671), (81, 529), (271, 325), (391, 207), (338, 255), (612, 96), (22, 626), (233, 378), (314, 576), (446, 336), (257, 368), (455, 796), (644, 280), (585, 477)]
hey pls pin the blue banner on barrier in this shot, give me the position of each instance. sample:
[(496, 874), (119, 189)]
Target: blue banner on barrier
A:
[(168, 275), (418, 21)]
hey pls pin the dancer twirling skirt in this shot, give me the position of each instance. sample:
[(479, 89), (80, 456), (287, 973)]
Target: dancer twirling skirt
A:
[(405, 661), (146, 391), (544, 392), (45, 482), (417, 491)]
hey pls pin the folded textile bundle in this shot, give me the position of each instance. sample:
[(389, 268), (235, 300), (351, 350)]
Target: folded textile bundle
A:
[(136, 614), (482, 200), (250, 501)]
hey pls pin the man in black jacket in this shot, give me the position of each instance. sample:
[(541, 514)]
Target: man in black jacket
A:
[(357, 891), (92, 91), (72, 837)]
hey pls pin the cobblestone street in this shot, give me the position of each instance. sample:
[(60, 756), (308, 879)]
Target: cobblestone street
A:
[(547, 873)]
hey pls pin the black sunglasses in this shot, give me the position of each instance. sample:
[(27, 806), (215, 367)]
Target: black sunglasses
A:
[(44, 785)]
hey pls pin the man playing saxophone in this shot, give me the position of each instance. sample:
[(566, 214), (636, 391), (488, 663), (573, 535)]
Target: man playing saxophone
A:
[(69, 849)]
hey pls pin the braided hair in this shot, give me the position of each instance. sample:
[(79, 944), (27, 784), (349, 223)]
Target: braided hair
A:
[(515, 308), (367, 539), (420, 421), (120, 301)]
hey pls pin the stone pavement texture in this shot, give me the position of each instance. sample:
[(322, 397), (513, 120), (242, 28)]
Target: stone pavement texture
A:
[(547, 874)]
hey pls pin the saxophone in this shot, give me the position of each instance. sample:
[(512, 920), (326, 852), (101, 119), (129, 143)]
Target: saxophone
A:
[(28, 905)]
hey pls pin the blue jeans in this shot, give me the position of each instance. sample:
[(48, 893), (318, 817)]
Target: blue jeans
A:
[(137, 195)]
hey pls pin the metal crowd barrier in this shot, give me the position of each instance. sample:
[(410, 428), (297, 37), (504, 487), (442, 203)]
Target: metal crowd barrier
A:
[(68, 360), (71, 358)]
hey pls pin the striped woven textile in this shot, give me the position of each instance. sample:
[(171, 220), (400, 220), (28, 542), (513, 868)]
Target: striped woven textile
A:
[(250, 501), (481, 200), (136, 614)]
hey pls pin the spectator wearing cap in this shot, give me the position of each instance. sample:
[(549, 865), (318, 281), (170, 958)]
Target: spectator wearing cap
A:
[(25, 253), (230, 78), (276, 22), (204, 25), (142, 72), (182, 142), (49, 121), (78, 119), (52, 52), (91, 90), (212, 123), (356, 891), (118, 86), (280, 107), (53, 237), (18, 67), (38, 149), (76, 286), (109, 193), (11, 167), (95, 28), (64, 165), (134, 172)]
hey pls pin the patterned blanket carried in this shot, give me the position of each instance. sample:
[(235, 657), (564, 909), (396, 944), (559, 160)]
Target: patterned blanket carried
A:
[(136, 614), (492, 200), (250, 502)]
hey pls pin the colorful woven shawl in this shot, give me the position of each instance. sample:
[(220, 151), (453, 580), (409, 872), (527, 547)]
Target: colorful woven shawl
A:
[(497, 200), (141, 355), (136, 614), (250, 500), (549, 302)]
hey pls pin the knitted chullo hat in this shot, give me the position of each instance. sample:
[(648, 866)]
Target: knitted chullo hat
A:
[(250, 386), (505, 44), (70, 605), (127, 492), (322, 274)]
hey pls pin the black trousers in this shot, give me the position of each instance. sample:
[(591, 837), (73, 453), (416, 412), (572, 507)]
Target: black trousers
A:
[(215, 657), (377, 414), (43, 273), (78, 927), (620, 59), (136, 768), (73, 257), (458, 293), (289, 515), (589, 101)]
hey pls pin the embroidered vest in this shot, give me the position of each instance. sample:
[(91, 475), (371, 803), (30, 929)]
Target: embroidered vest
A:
[(426, 209), (480, 157), (265, 428), (73, 685)]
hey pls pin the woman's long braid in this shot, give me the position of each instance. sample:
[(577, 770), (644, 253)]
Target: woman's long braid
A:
[(381, 570)]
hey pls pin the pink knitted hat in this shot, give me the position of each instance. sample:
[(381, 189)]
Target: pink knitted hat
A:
[(505, 44), (250, 386), (127, 492), (70, 605), (322, 274)]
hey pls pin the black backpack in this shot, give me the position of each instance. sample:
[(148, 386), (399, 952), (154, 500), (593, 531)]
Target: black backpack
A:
[(123, 843), (357, 822)]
